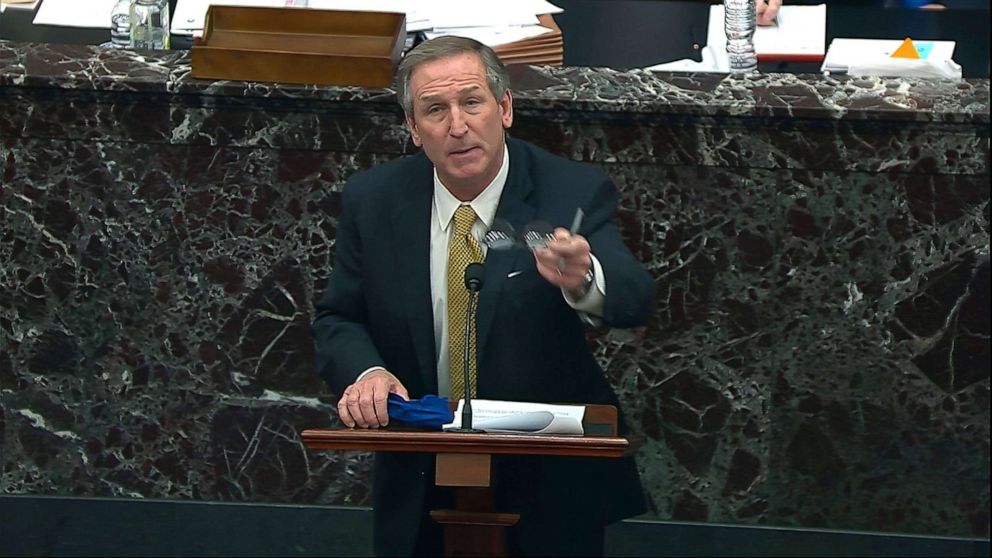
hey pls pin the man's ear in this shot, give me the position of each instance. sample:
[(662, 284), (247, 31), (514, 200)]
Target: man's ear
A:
[(412, 126), (506, 104)]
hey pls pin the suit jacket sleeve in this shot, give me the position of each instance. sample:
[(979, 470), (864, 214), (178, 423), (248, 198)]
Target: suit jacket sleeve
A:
[(344, 346), (630, 294)]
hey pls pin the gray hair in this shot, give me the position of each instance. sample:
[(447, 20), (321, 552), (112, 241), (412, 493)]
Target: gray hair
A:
[(443, 47)]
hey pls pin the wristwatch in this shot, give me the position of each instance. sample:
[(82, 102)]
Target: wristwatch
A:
[(583, 289)]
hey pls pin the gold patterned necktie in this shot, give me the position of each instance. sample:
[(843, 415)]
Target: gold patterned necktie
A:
[(463, 250)]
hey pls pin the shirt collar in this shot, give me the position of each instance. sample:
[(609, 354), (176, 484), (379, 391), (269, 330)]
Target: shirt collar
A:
[(484, 204)]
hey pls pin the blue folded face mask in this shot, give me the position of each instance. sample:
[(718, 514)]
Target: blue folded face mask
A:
[(430, 411)]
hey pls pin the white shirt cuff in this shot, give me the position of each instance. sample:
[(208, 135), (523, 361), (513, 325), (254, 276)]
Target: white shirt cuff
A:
[(592, 303), (370, 370)]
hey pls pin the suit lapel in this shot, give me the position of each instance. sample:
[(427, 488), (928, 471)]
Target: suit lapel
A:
[(410, 217), (514, 207)]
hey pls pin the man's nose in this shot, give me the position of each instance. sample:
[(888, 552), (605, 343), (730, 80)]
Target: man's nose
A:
[(458, 125)]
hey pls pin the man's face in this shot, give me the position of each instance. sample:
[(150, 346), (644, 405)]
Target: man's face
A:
[(458, 122)]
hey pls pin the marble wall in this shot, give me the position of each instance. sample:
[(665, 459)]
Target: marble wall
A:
[(820, 357)]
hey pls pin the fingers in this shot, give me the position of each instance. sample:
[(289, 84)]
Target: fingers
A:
[(364, 404), (380, 415), (343, 411), (360, 407), (766, 11), (355, 409), (565, 261)]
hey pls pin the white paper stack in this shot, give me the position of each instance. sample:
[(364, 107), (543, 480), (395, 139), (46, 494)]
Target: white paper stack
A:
[(492, 23), (520, 31), (189, 16), (75, 13), (518, 417), (873, 57), (799, 35)]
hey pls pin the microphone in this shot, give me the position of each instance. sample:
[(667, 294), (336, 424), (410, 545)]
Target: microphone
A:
[(475, 276)]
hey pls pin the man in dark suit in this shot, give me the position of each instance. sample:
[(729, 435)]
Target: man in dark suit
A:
[(383, 324)]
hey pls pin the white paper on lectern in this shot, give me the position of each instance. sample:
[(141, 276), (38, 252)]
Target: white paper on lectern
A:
[(520, 417), (75, 13)]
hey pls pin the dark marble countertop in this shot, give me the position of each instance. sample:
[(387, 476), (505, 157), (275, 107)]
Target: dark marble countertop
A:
[(79, 67)]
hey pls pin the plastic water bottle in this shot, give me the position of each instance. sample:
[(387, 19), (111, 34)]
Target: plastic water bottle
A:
[(120, 24), (150, 24), (739, 24)]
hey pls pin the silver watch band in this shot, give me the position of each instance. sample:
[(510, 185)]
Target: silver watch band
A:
[(586, 283)]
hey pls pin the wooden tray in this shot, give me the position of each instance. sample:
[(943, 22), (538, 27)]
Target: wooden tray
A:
[(299, 45)]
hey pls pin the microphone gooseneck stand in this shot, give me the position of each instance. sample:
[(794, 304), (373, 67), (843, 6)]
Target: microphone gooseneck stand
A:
[(475, 274)]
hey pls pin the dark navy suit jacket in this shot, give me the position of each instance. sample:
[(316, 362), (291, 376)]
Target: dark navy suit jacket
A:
[(376, 310)]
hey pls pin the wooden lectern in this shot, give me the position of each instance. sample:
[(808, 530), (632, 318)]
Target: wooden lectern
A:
[(474, 527)]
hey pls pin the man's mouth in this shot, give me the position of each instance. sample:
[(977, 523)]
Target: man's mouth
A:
[(462, 151)]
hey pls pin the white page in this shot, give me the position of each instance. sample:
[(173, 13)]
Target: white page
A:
[(567, 418), (447, 14), (800, 30), (416, 18), (538, 422), (845, 51), (874, 57), (75, 13), (479, 13), (421, 15), (522, 422), (190, 13), (713, 61), (493, 36), (392, 6), (540, 7)]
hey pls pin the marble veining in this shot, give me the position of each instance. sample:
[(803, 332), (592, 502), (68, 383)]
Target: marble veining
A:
[(820, 356), (573, 88)]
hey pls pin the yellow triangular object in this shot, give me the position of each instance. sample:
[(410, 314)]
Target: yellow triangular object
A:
[(906, 50)]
